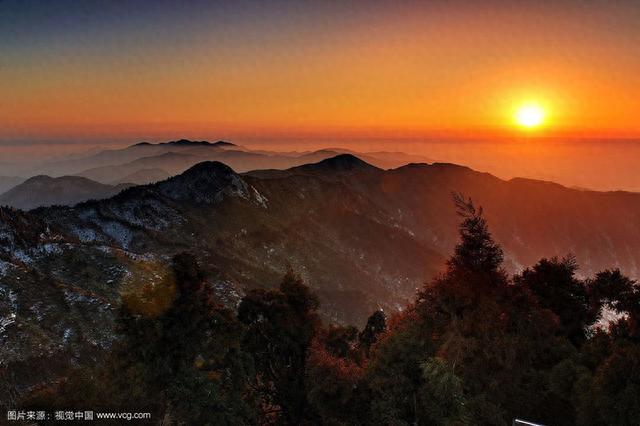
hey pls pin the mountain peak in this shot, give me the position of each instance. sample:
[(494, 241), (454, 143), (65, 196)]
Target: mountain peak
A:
[(207, 182), (339, 163), (208, 168), (187, 142), (39, 179)]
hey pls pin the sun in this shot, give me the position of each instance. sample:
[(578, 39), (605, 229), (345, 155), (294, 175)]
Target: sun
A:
[(530, 116)]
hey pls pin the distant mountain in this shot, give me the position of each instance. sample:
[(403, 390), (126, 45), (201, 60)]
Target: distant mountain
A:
[(362, 237), (77, 164), (143, 177), (391, 160), (187, 142), (177, 162), (115, 165), (8, 182), (171, 162), (339, 164), (41, 191)]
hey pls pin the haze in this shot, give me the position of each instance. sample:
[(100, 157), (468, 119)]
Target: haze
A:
[(416, 77)]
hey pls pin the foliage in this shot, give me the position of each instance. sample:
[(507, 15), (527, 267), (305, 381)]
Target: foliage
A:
[(280, 327), (476, 347)]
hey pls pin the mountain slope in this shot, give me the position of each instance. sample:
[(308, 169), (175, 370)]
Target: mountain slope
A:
[(362, 237), (529, 218), (171, 162), (143, 177), (8, 182), (41, 191)]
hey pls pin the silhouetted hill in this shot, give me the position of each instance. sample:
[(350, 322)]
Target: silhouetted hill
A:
[(8, 182), (340, 163), (207, 182), (116, 157), (184, 142), (171, 162), (116, 164), (67, 190), (143, 177), (187, 142)]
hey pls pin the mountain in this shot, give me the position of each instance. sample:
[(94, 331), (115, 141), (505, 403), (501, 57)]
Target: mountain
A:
[(177, 162), (171, 163), (77, 163), (343, 163), (174, 157), (343, 209), (186, 142), (143, 177), (46, 191), (8, 182), (362, 237), (205, 183)]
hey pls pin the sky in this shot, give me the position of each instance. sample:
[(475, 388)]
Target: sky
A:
[(102, 71)]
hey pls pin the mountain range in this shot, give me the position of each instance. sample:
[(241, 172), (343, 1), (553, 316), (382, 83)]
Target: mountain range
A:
[(116, 165), (362, 237), (41, 191), (145, 162)]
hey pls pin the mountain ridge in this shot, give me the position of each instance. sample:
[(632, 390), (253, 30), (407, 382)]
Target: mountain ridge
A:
[(187, 142), (43, 190), (361, 240), (338, 164)]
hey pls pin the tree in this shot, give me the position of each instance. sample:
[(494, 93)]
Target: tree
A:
[(376, 324), (441, 398), (612, 289), (553, 283), (186, 362), (280, 327), (394, 375), (476, 252), (492, 334), (334, 372), (612, 395)]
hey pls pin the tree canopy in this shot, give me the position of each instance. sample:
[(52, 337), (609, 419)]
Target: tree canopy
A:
[(476, 346)]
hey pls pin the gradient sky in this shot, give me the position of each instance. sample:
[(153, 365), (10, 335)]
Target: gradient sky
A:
[(102, 70)]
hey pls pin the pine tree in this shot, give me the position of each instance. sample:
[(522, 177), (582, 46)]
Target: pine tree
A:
[(186, 362), (553, 283), (376, 324), (280, 327), (476, 252)]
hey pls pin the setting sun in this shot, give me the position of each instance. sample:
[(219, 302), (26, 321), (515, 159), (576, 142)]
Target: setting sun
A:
[(530, 116)]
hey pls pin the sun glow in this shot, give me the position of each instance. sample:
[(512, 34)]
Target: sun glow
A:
[(530, 116)]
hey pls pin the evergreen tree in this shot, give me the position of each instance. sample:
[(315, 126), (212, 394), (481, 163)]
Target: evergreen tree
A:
[(476, 252), (186, 363), (334, 372), (280, 327), (621, 294), (491, 334), (376, 324), (553, 283)]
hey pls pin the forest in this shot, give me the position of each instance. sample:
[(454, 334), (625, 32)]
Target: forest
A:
[(476, 347)]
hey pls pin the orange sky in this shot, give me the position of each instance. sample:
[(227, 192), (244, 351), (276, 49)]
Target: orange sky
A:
[(321, 71)]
